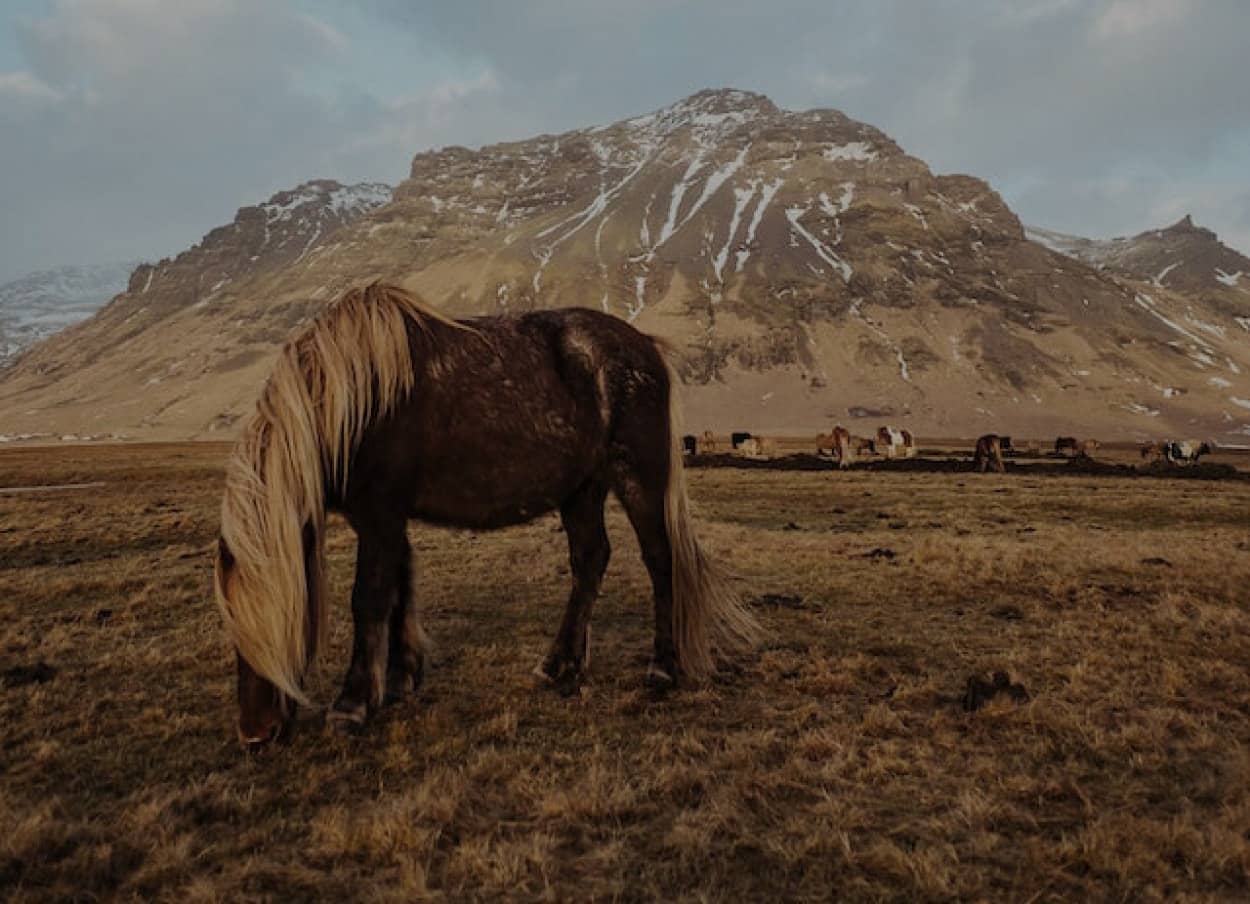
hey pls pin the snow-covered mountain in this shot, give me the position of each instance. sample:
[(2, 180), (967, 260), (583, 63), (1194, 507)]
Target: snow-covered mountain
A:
[(806, 266), (40, 304), (1181, 256)]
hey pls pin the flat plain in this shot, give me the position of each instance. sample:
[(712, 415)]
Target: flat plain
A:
[(840, 760)]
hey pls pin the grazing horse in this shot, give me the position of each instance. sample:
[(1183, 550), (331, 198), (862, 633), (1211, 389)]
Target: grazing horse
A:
[(758, 447), (1154, 451), (1086, 446), (838, 443), (1065, 444), (1187, 451), (897, 443), (738, 437), (862, 444), (385, 410), (989, 452)]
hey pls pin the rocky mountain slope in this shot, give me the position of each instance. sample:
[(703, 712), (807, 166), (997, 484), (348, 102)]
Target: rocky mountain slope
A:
[(808, 269), (1183, 257), (39, 304)]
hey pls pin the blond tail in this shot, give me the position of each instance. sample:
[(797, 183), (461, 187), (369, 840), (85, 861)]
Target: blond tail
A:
[(709, 617)]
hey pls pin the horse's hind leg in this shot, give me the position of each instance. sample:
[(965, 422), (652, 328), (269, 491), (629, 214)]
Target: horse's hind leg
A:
[(582, 514), (381, 549), (405, 665), (641, 491)]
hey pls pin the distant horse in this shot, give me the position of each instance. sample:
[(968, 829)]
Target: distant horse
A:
[(386, 410), (1065, 444), (738, 437), (989, 451), (896, 443), (1153, 452), (1086, 446), (707, 442), (758, 447), (862, 444), (838, 444), (1187, 451)]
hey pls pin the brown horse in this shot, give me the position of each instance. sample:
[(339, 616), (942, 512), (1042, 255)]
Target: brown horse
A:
[(385, 410), (838, 444), (989, 452), (863, 445)]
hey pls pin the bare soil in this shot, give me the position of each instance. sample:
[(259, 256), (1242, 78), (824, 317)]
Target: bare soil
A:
[(1028, 686)]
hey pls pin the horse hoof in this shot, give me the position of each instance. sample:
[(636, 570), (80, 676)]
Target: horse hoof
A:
[(347, 718), (400, 685), (658, 679)]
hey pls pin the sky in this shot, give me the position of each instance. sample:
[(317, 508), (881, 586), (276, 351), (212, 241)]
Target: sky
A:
[(129, 128)]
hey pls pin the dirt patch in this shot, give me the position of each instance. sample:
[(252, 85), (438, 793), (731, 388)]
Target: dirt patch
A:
[(979, 691)]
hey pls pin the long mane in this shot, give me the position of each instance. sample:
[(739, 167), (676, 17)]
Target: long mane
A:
[(350, 367)]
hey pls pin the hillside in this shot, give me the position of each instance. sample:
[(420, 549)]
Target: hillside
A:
[(807, 267)]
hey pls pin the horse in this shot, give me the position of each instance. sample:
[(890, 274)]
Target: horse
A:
[(1155, 451), (989, 451), (707, 442), (1065, 444), (862, 444), (738, 437), (758, 447), (897, 443), (1187, 451), (1086, 446), (838, 444), (386, 410)]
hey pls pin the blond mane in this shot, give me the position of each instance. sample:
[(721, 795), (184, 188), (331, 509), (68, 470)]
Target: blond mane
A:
[(352, 365)]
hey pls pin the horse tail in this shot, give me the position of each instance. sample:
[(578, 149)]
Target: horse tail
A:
[(708, 615), (349, 368)]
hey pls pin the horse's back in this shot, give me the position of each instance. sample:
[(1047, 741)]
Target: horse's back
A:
[(508, 417)]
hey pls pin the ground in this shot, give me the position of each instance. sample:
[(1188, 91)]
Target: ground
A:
[(837, 761)]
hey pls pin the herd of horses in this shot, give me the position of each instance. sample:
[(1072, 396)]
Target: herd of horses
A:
[(892, 443), (385, 411)]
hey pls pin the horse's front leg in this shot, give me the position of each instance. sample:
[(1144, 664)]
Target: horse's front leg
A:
[(406, 662), (380, 554)]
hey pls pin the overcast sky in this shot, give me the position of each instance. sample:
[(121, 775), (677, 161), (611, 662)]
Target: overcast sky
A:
[(128, 128)]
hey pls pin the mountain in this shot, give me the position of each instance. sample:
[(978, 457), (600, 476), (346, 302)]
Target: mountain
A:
[(1184, 257), (808, 269), (39, 304)]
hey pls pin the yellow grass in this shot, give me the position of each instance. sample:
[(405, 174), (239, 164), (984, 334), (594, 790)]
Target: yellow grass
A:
[(835, 762)]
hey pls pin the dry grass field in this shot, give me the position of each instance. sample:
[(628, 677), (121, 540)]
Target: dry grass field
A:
[(838, 761)]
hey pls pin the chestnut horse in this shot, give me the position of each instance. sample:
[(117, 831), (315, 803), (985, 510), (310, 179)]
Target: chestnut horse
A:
[(989, 453), (838, 443), (385, 410)]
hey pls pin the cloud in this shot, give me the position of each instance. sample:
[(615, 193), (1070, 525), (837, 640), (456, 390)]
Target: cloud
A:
[(1131, 18), (142, 123), (133, 126), (24, 88)]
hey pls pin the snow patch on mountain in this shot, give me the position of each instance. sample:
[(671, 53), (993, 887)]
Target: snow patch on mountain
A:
[(40, 304)]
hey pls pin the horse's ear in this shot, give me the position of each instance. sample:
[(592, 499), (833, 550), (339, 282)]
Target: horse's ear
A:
[(224, 556)]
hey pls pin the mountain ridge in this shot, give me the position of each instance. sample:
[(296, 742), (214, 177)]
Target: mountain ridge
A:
[(808, 269)]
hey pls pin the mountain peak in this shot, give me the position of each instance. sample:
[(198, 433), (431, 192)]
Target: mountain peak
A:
[(727, 100)]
